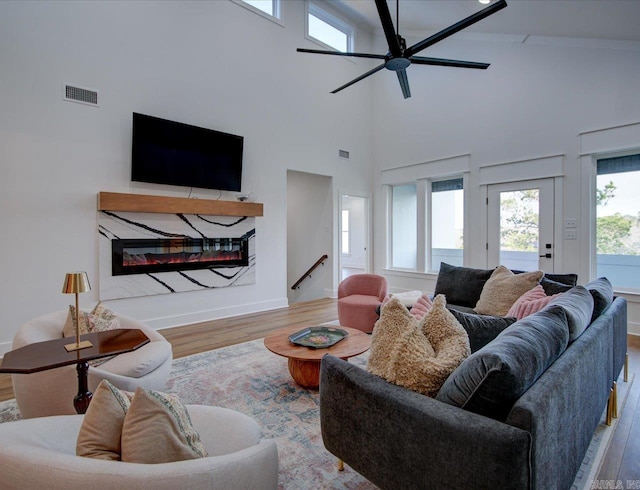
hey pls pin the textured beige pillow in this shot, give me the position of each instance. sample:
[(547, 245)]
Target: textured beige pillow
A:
[(401, 351), (503, 289), (158, 429), (450, 343), (99, 435), (396, 337), (99, 319)]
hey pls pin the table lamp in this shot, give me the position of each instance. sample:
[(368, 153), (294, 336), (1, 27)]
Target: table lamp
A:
[(77, 282)]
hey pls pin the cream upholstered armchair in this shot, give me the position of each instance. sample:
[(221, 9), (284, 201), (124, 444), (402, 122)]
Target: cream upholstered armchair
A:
[(51, 392), (41, 453)]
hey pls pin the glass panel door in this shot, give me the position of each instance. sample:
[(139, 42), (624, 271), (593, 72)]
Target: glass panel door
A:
[(520, 225)]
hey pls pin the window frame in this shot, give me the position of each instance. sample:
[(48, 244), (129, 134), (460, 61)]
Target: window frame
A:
[(332, 18), (345, 228), (424, 222), (596, 157), (277, 10)]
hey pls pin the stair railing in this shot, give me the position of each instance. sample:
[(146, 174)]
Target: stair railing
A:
[(318, 263)]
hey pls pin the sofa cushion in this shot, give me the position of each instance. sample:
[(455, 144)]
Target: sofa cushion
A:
[(602, 292), (493, 378), (503, 289), (578, 304), (99, 435), (554, 287), (421, 307), (157, 429), (529, 303), (397, 345), (461, 285), (481, 329), (417, 356)]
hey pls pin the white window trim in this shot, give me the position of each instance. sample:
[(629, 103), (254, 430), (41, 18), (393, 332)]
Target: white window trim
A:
[(613, 141), (326, 14), (277, 9)]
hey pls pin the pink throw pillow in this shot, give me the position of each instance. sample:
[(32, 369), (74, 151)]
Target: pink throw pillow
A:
[(420, 308), (530, 302)]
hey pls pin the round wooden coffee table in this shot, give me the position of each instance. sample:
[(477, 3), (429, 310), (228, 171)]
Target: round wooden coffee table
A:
[(304, 362)]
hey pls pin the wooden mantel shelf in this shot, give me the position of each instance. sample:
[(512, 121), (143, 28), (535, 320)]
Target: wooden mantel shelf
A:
[(143, 203)]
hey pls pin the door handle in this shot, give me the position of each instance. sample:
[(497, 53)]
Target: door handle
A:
[(545, 256)]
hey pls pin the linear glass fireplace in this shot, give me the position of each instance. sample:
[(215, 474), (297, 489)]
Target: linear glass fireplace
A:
[(142, 256)]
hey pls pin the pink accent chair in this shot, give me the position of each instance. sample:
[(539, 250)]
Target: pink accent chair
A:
[(358, 297)]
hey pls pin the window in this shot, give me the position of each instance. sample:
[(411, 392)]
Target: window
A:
[(426, 224), (267, 8), (346, 242), (447, 224), (329, 29), (618, 220), (404, 230)]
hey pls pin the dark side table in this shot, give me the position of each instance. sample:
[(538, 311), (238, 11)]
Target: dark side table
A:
[(51, 354)]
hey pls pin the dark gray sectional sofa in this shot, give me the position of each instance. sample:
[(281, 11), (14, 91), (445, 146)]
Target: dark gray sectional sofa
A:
[(519, 413)]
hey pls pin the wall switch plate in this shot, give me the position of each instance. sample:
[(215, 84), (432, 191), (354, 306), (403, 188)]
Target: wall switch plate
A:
[(571, 234), (570, 223)]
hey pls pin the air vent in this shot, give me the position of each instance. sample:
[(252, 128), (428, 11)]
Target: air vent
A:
[(344, 154), (80, 95)]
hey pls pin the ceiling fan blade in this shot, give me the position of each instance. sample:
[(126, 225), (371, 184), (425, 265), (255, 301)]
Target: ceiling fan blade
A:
[(404, 83), (361, 77), (420, 60), (340, 53), (387, 26), (458, 26)]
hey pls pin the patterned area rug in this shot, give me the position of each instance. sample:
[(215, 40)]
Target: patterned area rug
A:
[(248, 378)]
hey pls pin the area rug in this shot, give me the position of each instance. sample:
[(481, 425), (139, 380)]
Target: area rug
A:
[(248, 378)]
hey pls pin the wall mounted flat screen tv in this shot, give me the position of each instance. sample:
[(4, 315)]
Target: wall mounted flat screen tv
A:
[(169, 152)]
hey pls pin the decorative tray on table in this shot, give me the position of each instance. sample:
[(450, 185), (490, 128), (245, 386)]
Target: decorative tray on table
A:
[(318, 337)]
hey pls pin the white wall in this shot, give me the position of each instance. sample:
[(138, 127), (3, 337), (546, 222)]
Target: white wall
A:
[(212, 64), (310, 234), (533, 102)]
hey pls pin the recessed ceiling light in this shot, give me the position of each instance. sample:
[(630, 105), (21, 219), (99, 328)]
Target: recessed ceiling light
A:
[(484, 2)]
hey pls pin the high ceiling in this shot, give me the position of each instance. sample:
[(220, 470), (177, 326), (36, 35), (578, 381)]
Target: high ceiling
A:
[(599, 19)]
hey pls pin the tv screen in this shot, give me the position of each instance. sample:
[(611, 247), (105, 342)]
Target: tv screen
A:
[(169, 152)]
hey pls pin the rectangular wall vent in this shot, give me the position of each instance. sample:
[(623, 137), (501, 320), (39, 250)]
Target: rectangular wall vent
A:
[(344, 154), (80, 94)]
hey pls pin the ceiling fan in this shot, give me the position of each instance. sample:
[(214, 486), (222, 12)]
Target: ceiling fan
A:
[(400, 57)]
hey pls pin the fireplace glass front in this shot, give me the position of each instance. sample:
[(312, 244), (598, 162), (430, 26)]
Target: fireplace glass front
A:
[(142, 256)]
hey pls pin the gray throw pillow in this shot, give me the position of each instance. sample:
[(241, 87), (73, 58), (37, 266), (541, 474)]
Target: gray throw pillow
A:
[(578, 304), (461, 285), (602, 292), (553, 287), (492, 379), (481, 329)]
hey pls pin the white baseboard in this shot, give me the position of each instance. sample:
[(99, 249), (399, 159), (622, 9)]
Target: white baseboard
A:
[(633, 328), (216, 314)]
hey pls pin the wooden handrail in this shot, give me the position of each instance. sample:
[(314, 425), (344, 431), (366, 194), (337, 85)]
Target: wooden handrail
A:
[(311, 269)]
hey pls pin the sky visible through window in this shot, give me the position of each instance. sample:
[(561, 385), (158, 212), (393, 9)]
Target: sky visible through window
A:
[(328, 34), (264, 5)]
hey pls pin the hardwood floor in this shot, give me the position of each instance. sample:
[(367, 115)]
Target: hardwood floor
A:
[(621, 462)]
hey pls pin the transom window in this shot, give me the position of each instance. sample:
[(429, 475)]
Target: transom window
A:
[(266, 8), (328, 29)]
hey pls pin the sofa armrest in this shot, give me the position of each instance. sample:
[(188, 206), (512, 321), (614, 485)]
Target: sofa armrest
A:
[(401, 439)]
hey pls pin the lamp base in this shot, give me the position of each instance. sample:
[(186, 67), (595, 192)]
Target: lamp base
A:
[(81, 345)]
